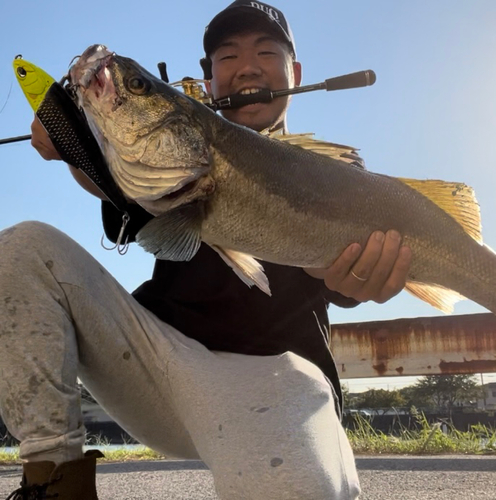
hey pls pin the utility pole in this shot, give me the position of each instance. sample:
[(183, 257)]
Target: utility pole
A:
[(483, 390)]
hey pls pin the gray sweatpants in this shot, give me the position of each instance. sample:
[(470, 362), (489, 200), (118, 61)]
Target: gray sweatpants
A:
[(266, 426)]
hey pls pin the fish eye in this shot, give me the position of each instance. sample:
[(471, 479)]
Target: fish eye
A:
[(138, 85), (21, 72)]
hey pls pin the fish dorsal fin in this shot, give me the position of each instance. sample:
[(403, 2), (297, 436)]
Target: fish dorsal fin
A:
[(456, 199), (175, 235), (246, 268), (437, 296), (306, 141)]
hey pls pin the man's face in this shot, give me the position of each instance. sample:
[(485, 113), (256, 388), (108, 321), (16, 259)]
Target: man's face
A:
[(248, 62)]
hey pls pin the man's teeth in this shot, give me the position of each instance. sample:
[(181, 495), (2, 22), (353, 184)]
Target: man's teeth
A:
[(250, 91)]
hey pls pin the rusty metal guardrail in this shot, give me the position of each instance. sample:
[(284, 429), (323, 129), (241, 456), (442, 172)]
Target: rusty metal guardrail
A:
[(416, 346)]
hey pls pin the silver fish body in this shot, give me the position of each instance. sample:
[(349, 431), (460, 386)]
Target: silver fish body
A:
[(252, 197)]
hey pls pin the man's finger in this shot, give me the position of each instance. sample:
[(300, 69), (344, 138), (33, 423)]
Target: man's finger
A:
[(340, 269), (399, 274), (365, 265), (383, 267), (356, 281)]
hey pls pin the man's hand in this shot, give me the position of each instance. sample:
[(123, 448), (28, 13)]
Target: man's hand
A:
[(378, 273), (42, 142)]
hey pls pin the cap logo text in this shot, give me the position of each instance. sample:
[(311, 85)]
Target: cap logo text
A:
[(265, 8)]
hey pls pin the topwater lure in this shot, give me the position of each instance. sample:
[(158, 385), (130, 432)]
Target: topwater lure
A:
[(34, 81)]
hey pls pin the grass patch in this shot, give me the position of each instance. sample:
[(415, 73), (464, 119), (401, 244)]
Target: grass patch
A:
[(124, 454), (114, 454), (428, 439), (9, 458)]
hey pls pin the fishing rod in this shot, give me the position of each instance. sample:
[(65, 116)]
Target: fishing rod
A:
[(15, 139), (193, 88), (350, 81)]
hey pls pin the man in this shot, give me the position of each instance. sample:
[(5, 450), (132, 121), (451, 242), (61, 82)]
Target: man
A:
[(194, 364)]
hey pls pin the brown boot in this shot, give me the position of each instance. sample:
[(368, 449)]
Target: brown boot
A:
[(68, 481)]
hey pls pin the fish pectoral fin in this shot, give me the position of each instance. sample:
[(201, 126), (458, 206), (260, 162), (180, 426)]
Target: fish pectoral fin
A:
[(246, 268), (174, 235), (437, 296), (456, 199)]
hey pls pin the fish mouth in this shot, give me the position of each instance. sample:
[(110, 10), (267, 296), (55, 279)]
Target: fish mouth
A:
[(91, 72), (102, 84)]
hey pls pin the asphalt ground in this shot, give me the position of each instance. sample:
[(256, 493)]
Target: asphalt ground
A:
[(382, 478)]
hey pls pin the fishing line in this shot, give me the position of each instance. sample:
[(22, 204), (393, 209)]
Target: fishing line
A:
[(8, 96)]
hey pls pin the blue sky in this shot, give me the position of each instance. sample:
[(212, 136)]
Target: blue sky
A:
[(431, 114)]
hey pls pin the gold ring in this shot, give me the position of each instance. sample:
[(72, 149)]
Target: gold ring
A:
[(357, 277)]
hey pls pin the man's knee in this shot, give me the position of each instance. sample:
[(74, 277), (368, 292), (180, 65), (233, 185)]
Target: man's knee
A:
[(27, 232), (21, 244)]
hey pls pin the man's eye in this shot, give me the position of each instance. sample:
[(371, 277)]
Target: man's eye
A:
[(229, 56), (267, 53)]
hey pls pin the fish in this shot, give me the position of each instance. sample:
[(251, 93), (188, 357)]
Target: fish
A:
[(34, 81), (254, 198)]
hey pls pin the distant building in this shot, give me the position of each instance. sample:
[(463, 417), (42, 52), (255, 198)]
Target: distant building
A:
[(489, 402)]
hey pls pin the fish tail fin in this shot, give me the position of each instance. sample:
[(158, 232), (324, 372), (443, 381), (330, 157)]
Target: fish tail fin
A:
[(476, 282)]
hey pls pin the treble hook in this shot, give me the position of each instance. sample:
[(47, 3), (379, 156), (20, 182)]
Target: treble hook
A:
[(73, 59), (121, 248)]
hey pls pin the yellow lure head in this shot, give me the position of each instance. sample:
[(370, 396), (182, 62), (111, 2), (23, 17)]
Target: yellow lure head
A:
[(34, 81)]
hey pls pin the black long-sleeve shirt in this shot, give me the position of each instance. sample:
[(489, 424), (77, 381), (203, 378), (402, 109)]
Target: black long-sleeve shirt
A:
[(205, 300)]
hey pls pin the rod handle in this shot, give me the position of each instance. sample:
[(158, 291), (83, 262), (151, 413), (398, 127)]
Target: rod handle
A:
[(351, 81)]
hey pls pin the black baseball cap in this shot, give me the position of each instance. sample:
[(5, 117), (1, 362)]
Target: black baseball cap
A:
[(244, 14)]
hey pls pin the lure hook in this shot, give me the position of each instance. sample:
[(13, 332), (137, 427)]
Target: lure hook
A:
[(122, 248), (73, 59)]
